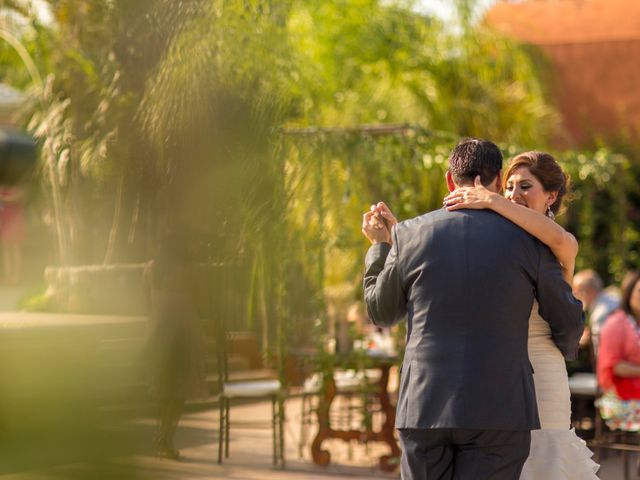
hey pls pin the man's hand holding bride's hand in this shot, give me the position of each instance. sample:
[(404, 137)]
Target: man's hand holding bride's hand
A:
[(377, 223), (476, 197), (386, 215)]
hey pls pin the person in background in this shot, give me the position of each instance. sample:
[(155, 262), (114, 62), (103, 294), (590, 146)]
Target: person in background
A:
[(12, 232), (598, 303), (619, 360), (176, 346)]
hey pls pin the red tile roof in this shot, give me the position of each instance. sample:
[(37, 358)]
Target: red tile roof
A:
[(567, 21), (594, 47)]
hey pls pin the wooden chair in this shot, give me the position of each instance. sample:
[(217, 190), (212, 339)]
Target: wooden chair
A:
[(242, 375), (584, 392), (604, 438), (618, 440)]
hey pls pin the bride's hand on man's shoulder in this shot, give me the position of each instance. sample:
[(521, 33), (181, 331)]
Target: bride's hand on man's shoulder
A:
[(475, 198)]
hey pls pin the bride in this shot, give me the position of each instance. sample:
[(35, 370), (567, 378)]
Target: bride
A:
[(535, 186)]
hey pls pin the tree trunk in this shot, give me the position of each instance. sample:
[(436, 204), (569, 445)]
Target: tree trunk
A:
[(115, 224), (57, 209)]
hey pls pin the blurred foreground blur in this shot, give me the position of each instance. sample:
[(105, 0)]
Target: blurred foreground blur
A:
[(69, 389), (260, 131)]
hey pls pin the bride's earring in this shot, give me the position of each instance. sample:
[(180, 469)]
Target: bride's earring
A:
[(550, 214)]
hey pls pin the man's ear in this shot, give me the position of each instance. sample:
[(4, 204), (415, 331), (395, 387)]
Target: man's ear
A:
[(450, 183), (499, 181)]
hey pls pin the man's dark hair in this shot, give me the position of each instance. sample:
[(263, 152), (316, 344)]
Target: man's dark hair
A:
[(473, 157)]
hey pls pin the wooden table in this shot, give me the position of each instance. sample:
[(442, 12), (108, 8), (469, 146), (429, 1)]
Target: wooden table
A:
[(386, 434)]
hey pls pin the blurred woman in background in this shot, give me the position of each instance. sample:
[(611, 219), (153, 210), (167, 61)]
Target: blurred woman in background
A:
[(619, 360), (176, 341)]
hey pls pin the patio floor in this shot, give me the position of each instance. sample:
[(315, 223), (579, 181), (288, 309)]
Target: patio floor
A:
[(250, 450), (250, 454)]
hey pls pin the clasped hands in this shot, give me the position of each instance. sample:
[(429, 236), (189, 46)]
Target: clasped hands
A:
[(377, 223)]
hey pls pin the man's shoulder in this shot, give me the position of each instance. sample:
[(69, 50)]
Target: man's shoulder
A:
[(411, 225), (420, 219), (478, 225), (445, 217)]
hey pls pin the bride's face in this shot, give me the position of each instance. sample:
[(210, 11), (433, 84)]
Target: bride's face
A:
[(525, 189)]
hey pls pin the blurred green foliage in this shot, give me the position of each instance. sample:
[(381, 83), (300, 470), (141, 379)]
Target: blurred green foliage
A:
[(409, 164), (233, 121), (182, 114), (68, 397)]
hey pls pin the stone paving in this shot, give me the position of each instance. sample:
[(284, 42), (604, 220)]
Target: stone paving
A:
[(250, 455), (250, 451)]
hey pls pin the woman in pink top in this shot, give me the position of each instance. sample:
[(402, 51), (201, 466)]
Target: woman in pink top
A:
[(619, 360)]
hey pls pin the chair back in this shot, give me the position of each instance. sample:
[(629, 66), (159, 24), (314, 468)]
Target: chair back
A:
[(240, 359), (243, 351)]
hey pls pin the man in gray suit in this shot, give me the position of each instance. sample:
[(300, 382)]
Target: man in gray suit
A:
[(466, 281)]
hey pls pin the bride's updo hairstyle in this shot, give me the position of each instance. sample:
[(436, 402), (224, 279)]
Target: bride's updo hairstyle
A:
[(544, 167)]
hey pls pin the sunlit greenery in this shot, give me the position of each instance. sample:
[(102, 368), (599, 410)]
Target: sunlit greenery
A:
[(161, 114), (261, 130)]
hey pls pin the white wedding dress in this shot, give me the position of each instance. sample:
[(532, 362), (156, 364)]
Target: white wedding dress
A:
[(557, 453)]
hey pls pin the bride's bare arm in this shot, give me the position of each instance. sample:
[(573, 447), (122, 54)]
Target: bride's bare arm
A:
[(562, 243)]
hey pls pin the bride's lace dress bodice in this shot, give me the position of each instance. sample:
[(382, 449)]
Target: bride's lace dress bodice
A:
[(556, 451)]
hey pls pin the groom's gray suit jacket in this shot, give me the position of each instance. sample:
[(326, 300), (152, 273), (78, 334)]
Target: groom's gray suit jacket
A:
[(466, 281)]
